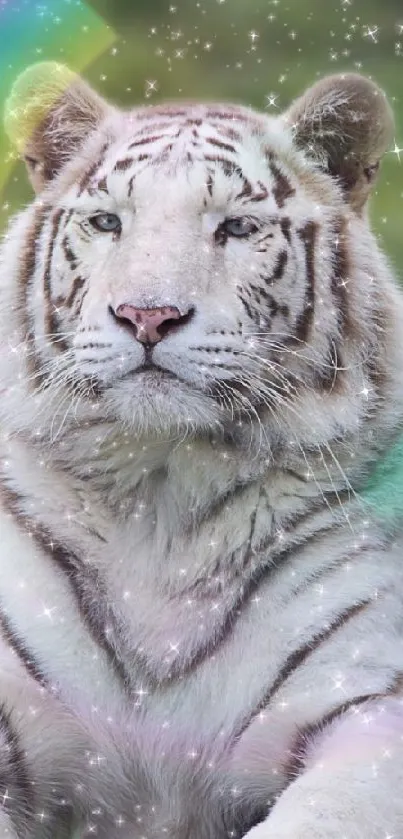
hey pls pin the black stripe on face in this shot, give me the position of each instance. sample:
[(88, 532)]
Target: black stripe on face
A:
[(84, 582), (231, 116), (307, 234), (70, 256), (228, 166), (26, 274), (131, 186), (51, 323), (91, 172), (340, 274), (282, 189), (228, 132), (102, 185), (261, 195), (285, 226), (210, 183), (327, 377), (51, 319), (278, 271), (123, 165), (78, 283), (246, 191), (16, 789), (145, 140), (220, 144)]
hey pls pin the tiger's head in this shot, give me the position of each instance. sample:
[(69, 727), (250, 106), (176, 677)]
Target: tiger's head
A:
[(193, 267)]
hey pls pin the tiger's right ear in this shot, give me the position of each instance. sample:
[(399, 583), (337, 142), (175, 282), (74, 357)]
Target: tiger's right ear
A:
[(49, 114), (346, 123)]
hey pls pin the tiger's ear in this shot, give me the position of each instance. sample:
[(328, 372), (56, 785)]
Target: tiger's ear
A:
[(346, 124), (49, 114)]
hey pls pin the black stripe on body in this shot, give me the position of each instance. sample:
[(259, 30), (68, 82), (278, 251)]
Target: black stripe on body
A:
[(295, 660), (299, 656), (298, 751), (85, 583), (21, 650), (16, 789), (251, 576)]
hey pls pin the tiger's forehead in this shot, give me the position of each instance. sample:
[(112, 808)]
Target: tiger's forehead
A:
[(231, 119), (197, 142), (190, 132)]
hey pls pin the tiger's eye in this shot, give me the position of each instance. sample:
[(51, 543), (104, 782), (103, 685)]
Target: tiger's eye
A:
[(239, 228), (106, 222)]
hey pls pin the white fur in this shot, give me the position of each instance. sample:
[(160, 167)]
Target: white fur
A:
[(177, 502)]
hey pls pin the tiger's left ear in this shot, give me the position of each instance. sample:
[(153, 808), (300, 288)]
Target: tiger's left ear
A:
[(346, 124), (49, 114)]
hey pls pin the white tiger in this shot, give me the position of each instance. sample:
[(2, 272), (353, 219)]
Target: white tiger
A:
[(201, 620)]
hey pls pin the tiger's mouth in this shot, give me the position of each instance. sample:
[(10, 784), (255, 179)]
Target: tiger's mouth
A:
[(151, 371)]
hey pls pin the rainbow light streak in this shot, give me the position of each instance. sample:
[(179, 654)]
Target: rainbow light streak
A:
[(67, 31)]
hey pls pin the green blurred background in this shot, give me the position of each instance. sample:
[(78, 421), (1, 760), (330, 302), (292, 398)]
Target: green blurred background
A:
[(258, 52)]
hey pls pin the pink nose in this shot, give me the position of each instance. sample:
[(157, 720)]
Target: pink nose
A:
[(150, 325)]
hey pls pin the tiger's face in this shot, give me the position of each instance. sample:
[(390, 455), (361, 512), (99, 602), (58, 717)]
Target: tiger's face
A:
[(183, 271), (188, 266)]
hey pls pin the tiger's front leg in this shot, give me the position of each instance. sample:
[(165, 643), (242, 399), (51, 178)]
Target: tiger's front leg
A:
[(351, 785), (44, 776)]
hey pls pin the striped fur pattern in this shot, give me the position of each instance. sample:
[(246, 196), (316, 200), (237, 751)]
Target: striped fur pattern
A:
[(200, 620)]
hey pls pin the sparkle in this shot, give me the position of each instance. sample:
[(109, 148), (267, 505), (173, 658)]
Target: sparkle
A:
[(338, 682), (47, 613), (371, 32), (141, 692), (41, 816), (396, 150), (6, 797), (271, 100)]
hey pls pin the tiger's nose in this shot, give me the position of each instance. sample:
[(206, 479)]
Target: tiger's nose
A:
[(151, 325)]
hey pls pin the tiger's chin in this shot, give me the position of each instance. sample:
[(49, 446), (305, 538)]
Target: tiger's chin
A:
[(153, 404)]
